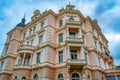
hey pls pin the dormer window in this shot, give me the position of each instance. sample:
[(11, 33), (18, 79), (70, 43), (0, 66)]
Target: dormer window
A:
[(60, 23), (71, 19)]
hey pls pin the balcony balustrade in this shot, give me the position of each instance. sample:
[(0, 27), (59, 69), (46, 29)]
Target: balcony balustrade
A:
[(74, 40), (26, 48), (76, 62), (22, 66), (73, 22)]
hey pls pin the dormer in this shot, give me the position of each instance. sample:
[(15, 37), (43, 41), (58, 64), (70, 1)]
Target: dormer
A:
[(36, 15), (70, 7)]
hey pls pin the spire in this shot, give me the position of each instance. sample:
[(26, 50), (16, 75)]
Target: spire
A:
[(22, 23)]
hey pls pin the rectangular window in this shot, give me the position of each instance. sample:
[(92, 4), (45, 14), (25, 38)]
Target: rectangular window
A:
[(95, 44), (34, 29), (99, 61), (6, 50), (72, 35), (40, 39), (30, 31), (73, 54), (60, 23), (60, 56), (2, 63), (42, 25), (28, 43), (38, 57), (60, 37), (111, 78), (24, 34), (32, 42)]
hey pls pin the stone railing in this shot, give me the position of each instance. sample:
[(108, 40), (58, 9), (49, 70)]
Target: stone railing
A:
[(76, 62), (74, 40), (22, 66), (73, 22), (26, 47)]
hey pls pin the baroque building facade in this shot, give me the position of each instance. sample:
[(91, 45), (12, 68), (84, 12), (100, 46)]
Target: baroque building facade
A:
[(57, 46)]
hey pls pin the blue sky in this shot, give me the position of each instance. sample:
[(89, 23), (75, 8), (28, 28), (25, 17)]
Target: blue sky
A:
[(107, 12)]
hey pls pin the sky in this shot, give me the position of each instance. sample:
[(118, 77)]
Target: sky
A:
[(107, 12)]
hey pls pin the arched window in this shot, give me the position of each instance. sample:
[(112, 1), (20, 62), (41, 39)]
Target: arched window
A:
[(71, 19), (15, 78), (60, 23), (60, 77), (36, 77), (88, 77), (23, 78), (75, 76)]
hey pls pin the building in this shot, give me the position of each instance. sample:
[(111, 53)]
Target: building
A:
[(57, 46)]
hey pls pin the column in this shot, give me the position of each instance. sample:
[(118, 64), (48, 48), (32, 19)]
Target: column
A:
[(82, 53), (68, 73), (23, 58), (67, 32), (80, 32), (83, 74), (30, 59), (68, 51), (17, 59)]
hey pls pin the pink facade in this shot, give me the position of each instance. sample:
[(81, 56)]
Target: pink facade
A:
[(57, 46)]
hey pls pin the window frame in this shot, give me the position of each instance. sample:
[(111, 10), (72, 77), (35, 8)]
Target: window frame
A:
[(40, 39), (74, 55), (60, 37), (60, 59)]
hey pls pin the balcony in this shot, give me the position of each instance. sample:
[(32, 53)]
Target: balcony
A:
[(76, 62), (26, 48), (22, 66), (74, 40), (72, 22)]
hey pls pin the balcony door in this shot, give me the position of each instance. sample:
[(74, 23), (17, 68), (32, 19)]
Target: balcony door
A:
[(73, 54), (72, 35)]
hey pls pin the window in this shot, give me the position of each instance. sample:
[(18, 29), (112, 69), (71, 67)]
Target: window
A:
[(24, 34), (32, 41), (119, 77), (71, 19), (99, 61), (60, 37), (30, 31), (60, 56), (60, 77), (38, 57), (75, 76), (34, 29), (23, 78), (28, 43), (111, 78), (6, 50), (36, 77), (15, 78), (28, 62), (10, 37), (88, 77), (60, 23), (2, 63), (40, 39), (42, 25), (95, 44), (73, 54), (72, 35)]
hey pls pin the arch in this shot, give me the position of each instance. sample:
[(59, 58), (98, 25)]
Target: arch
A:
[(36, 76), (60, 76), (15, 78), (23, 78), (75, 76)]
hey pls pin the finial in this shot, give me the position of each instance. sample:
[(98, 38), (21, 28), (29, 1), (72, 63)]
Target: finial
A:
[(24, 15), (69, 3)]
